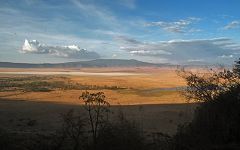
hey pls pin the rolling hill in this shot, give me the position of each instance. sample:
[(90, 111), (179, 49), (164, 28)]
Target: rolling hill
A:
[(79, 64)]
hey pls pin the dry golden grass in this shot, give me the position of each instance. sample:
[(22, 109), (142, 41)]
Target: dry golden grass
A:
[(163, 79), (126, 97), (140, 89)]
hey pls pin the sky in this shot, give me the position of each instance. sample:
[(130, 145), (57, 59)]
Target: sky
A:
[(157, 31)]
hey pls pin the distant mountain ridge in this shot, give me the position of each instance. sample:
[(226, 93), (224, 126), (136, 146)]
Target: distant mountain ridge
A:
[(79, 64)]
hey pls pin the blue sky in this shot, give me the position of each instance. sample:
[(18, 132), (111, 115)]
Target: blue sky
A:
[(160, 31)]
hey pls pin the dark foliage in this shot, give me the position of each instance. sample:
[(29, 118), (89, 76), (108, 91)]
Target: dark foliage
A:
[(217, 119), (215, 126)]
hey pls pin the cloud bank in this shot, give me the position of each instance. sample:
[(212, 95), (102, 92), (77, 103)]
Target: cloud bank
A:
[(72, 51), (184, 51)]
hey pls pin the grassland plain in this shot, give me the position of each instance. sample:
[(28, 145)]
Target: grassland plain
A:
[(153, 86), (152, 98)]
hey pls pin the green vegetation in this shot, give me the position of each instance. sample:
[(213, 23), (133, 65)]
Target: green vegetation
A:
[(46, 84)]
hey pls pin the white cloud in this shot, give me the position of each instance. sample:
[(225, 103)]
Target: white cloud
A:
[(180, 26), (226, 56), (147, 52), (114, 55), (195, 60), (232, 25), (71, 51)]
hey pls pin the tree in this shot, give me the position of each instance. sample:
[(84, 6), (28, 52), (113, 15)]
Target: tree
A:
[(236, 67), (215, 124), (217, 118), (97, 108), (204, 87)]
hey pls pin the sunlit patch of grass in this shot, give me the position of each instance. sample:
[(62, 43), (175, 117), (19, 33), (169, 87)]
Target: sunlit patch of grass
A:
[(158, 87)]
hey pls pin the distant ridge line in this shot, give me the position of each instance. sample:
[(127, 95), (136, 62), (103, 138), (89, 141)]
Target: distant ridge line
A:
[(90, 63)]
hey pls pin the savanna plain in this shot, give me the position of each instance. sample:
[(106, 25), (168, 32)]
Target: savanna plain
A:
[(34, 99)]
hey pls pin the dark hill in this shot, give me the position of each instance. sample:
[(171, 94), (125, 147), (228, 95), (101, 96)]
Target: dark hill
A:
[(90, 63)]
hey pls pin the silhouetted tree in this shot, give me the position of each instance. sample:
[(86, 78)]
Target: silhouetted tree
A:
[(217, 118), (203, 87), (97, 108), (215, 124), (236, 67)]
